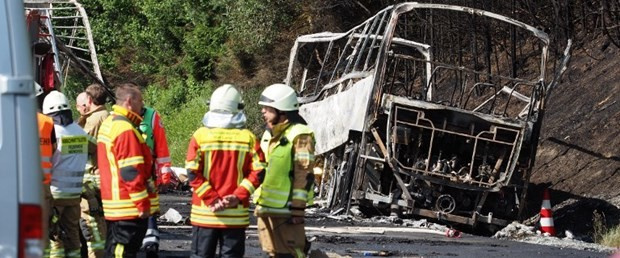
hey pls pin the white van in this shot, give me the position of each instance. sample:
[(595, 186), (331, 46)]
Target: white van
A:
[(20, 175)]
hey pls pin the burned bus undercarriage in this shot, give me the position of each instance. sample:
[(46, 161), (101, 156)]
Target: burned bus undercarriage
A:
[(416, 124)]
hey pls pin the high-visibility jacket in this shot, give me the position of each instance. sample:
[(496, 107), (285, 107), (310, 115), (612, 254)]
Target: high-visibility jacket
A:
[(155, 136), (288, 183), (221, 162), (46, 128), (69, 161), (124, 163)]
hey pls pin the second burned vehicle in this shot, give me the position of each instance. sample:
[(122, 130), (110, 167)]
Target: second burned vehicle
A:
[(428, 109)]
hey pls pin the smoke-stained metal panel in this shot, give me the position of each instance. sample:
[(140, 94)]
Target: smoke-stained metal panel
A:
[(451, 124)]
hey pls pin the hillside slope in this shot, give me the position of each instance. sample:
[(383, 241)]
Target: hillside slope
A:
[(579, 151)]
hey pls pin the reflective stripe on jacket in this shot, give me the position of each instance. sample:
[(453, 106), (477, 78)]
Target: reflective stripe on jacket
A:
[(124, 161), (69, 161), (46, 124), (277, 192), (221, 162)]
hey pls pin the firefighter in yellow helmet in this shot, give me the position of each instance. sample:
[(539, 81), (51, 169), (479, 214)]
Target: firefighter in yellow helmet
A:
[(281, 200)]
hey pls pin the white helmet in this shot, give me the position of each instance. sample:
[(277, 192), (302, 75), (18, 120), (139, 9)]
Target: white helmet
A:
[(280, 97), (226, 98), (38, 89), (55, 101)]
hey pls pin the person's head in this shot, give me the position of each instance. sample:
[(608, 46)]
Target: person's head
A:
[(129, 96), (278, 101), (54, 102), (226, 98), (82, 103), (97, 94)]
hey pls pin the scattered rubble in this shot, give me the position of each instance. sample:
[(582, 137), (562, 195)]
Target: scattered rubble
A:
[(519, 232), (172, 216), (514, 231)]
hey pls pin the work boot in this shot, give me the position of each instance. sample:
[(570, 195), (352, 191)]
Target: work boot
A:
[(150, 243), (151, 249), (307, 247)]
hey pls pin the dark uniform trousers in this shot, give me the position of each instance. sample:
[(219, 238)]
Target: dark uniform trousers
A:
[(205, 240), (125, 237)]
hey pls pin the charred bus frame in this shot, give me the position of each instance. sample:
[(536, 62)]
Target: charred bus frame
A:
[(411, 122)]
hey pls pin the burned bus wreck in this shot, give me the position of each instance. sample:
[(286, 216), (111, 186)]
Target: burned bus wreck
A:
[(427, 109)]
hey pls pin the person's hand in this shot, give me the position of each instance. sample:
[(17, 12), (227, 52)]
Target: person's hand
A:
[(144, 214), (297, 219), (168, 177), (231, 201), (218, 205)]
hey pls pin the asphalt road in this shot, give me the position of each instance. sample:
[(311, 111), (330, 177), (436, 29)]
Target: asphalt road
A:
[(347, 240)]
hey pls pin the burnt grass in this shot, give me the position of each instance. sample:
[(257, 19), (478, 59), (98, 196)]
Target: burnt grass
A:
[(578, 155)]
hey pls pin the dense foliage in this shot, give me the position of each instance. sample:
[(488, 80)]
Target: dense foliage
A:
[(180, 50), (171, 48), (154, 40)]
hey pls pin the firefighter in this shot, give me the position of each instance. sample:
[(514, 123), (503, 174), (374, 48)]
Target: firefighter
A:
[(68, 162), (224, 167), (47, 144), (154, 134), (91, 106), (281, 200), (124, 162)]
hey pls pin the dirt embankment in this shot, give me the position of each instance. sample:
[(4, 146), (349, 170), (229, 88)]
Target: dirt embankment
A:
[(579, 151)]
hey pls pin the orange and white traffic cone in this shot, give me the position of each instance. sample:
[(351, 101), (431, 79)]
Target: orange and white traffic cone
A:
[(546, 215)]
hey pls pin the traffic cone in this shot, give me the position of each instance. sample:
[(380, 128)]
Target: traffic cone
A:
[(546, 215)]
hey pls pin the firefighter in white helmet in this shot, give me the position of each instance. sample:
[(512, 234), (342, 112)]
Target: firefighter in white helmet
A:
[(68, 163), (224, 164), (281, 200)]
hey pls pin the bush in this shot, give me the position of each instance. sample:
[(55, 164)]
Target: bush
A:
[(256, 24), (602, 234), (182, 105), (157, 40), (612, 237), (252, 110)]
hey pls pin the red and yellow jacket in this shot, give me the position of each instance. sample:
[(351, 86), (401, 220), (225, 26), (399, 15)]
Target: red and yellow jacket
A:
[(221, 162), (124, 162), (154, 134)]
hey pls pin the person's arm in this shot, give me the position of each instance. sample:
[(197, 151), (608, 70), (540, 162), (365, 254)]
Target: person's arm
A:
[(253, 172), (134, 170), (162, 154), (92, 148), (195, 165), (303, 163)]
